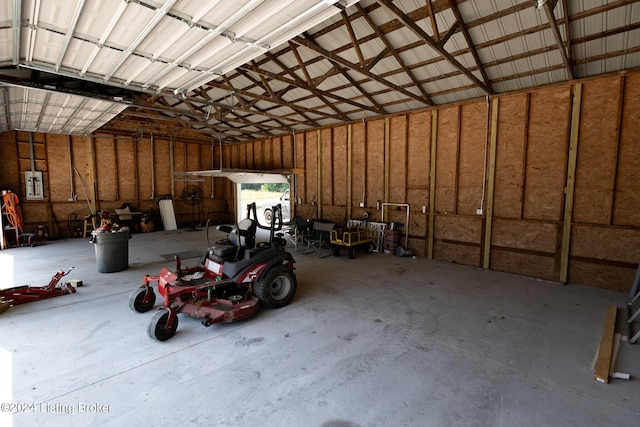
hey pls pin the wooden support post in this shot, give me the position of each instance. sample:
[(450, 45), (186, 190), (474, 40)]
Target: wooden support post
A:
[(603, 361), (172, 168), (614, 181), (116, 163), (432, 182), (387, 164), (349, 168), (491, 183), (571, 180), (93, 176), (319, 143)]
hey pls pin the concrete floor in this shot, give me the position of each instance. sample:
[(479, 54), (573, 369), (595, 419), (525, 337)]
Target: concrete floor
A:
[(373, 341)]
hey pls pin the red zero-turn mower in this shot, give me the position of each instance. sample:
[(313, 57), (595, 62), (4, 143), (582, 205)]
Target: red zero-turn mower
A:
[(27, 293), (233, 277)]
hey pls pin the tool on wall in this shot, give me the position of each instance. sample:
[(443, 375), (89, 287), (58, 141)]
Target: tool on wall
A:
[(84, 191)]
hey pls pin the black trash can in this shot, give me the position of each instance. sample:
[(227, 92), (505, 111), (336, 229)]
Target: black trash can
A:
[(112, 251)]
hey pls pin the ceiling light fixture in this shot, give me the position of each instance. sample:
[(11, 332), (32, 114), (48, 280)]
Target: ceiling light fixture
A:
[(538, 3)]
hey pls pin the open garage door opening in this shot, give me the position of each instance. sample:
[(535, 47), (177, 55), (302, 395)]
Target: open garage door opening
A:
[(266, 188), (266, 196)]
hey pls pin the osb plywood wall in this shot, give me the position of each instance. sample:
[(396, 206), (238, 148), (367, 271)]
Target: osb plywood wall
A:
[(85, 174), (541, 183)]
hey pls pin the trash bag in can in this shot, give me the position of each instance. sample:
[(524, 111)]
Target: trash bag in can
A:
[(112, 250)]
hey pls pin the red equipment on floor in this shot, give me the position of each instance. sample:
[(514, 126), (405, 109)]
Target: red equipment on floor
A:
[(234, 278), (27, 293)]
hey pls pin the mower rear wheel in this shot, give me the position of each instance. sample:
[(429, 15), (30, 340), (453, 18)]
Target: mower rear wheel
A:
[(159, 329), (277, 288), (136, 300)]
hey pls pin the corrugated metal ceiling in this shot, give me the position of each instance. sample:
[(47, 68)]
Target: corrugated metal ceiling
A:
[(256, 68)]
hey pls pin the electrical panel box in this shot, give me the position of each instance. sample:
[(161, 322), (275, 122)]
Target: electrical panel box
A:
[(35, 187)]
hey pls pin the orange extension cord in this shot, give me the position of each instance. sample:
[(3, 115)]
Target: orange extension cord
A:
[(14, 215)]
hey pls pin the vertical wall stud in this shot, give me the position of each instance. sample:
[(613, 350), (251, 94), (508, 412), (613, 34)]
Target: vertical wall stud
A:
[(93, 175), (387, 162), (614, 180), (571, 179), (491, 184), (319, 178), (525, 149), (432, 182), (349, 167)]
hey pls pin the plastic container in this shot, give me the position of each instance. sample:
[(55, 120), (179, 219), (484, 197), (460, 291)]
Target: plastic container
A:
[(391, 240), (112, 251)]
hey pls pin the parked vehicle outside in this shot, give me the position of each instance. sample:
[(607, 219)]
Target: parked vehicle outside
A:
[(284, 201)]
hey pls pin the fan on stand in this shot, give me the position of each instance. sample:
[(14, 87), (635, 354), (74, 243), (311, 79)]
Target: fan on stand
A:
[(192, 195)]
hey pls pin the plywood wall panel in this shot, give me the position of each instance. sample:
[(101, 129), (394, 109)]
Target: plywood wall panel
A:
[(547, 146), (192, 157), (460, 254), (597, 151), (300, 163), (510, 156), (542, 267), (458, 228), (398, 159), (606, 243), (59, 182), (287, 151), (127, 180), (418, 220), (242, 155), (250, 156), (358, 164), (277, 149), (81, 156), (37, 214), (375, 162), (471, 165), (267, 154), (9, 178), (627, 196), (525, 235), (162, 167), (419, 150), (447, 160), (335, 214), (601, 276), (327, 183), (311, 166), (106, 173), (340, 165), (143, 153)]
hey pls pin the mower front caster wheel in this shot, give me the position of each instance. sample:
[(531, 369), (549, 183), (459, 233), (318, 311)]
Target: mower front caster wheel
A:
[(137, 300), (159, 328)]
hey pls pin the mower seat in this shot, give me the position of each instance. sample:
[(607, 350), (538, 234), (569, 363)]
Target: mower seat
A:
[(241, 237)]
